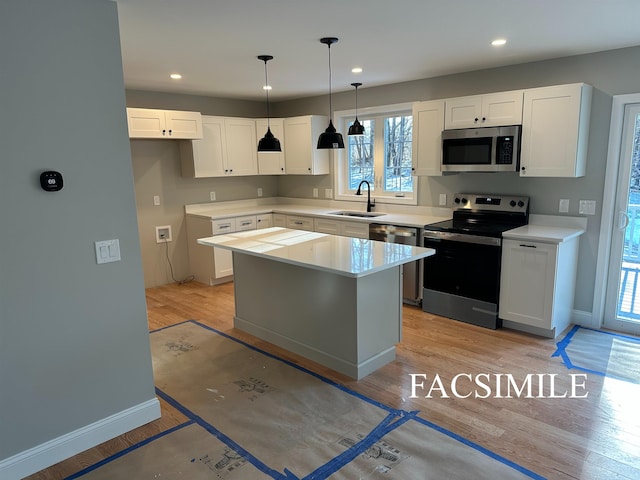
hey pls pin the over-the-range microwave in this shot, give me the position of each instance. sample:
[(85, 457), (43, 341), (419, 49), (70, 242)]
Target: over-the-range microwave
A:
[(487, 149)]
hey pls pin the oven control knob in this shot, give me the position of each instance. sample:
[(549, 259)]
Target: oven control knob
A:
[(464, 201), (512, 203), (520, 203), (457, 200)]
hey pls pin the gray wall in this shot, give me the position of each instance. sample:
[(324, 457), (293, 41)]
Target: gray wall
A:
[(74, 343)]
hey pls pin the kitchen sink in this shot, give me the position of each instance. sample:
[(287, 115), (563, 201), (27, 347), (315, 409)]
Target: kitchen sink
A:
[(356, 214)]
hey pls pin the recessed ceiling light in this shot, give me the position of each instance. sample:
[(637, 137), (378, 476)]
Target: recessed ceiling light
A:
[(498, 42), (176, 76), (356, 70)]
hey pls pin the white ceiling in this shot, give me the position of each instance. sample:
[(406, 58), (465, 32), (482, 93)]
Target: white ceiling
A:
[(214, 43)]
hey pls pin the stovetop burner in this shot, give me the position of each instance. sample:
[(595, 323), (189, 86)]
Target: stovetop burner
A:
[(486, 215)]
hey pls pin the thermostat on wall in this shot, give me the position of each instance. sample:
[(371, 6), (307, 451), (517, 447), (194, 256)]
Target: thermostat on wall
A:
[(51, 181)]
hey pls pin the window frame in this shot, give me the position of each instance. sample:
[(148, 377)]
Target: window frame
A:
[(340, 157)]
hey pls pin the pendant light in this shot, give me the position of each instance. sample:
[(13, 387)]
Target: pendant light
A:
[(356, 128), (330, 138), (268, 143)]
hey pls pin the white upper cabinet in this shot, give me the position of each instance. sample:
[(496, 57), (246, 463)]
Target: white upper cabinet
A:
[(228, 147), (493, 109), (300, 140), (271, 163), (428, 123), (555, 131), (242, 146), (167, 124)]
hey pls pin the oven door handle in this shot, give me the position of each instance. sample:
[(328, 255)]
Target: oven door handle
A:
[(462, 238)]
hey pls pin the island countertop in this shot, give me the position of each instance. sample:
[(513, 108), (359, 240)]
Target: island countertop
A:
[(351, 257)]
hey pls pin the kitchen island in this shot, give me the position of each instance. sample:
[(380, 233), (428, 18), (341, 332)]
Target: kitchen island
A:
[(335, 300)]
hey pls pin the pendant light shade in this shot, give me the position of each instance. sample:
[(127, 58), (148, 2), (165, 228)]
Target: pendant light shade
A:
[(268, 143), (330, 138), (356, 129)]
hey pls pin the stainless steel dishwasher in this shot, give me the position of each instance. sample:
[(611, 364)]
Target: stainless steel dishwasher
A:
[(411, 288)]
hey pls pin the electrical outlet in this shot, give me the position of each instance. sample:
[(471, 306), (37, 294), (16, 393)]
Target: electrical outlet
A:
[(587, 207), (212, 196), (443, 199), (156, 200), (315, 193), (563, 207), (259, 191), (163, 234)]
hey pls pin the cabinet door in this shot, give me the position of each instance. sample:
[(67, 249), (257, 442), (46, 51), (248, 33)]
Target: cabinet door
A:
[(463, 112), (183, 125), (428, 123), (555, 131), (279, 220), (527, 282), (271, 163), (503, 108), (264, 221), (300, 139), (246, 223), (206, 157), (242, 147), (146, 123), (223, 261)]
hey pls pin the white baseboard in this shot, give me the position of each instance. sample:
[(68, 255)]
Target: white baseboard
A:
[(51, 452), (584, 319)]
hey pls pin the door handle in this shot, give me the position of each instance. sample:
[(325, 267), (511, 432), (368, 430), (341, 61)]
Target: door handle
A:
[(623, 220)]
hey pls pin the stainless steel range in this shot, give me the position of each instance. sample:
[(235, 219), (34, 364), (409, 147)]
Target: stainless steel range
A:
[(462, 280)]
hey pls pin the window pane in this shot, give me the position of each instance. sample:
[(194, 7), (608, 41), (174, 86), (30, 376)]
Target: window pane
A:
[(361, 156), (398, 132)]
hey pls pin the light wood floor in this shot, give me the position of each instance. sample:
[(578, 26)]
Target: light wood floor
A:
[(593, 438)]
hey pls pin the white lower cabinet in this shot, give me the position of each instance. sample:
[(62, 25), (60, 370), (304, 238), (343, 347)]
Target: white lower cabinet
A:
[(537, 285), (215, 265)]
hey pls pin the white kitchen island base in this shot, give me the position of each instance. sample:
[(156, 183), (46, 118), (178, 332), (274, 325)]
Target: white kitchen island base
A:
[(335, 300), (349, 324)]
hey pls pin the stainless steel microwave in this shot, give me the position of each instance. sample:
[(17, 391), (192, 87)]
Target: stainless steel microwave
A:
[(488, 149)]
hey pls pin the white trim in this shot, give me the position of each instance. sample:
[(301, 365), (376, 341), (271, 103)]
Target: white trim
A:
[(608, 205), (339, 155), (51, 452)]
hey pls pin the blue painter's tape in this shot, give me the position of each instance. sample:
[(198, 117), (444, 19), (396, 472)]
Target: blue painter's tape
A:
[(128, 450)]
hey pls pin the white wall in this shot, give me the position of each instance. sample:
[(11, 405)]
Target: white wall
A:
[(74, 342)]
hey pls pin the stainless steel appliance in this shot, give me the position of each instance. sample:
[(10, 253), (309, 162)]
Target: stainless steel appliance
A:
[(462, 280), (411, 288), (488, 149)]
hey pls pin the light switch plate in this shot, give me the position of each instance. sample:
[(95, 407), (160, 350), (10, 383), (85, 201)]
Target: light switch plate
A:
[(108, 251), (443, 199)]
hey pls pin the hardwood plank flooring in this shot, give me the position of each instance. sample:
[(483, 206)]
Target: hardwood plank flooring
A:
[(596, 437)]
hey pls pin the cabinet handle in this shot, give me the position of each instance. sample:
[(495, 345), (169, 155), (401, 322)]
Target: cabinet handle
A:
[(297, 223), (484, 119), (224, 226), (170, 132), (523, 169), (164, 132), (244, 224), (475, 119), (528, 246)]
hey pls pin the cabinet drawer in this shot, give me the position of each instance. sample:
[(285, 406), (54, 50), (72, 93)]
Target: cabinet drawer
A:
[(300, 223), (226, 225), (246, 223)]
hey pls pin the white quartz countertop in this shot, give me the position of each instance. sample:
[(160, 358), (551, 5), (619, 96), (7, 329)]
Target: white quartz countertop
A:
[(388, 218), (543, 233), (353, 257)]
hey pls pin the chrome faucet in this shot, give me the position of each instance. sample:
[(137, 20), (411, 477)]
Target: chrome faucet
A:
[(359, 192)]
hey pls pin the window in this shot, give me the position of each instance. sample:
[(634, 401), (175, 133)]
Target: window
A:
[(382, 157)]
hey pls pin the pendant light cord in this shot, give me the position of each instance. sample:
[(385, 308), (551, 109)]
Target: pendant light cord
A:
[(330, 106), (266, 84)]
